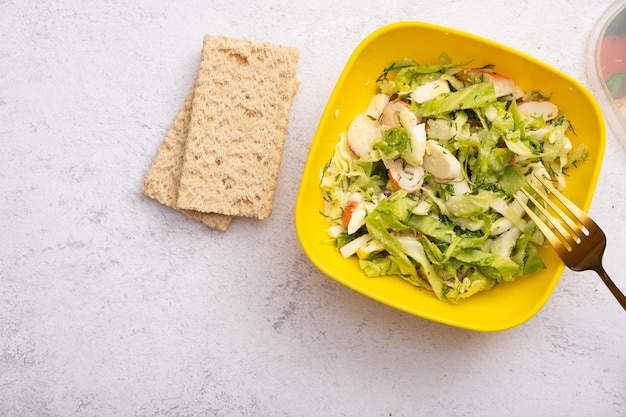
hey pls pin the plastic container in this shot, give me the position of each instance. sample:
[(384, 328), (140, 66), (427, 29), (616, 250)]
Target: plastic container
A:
[(607, 67)]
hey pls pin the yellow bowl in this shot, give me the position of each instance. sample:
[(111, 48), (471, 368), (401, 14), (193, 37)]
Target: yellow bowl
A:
[(511, 303)]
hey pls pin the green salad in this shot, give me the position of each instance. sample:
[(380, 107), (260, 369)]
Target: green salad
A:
[(420, 184)]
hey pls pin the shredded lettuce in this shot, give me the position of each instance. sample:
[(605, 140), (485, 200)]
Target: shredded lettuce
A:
[(393, 143), (473, 96), (453, 232)]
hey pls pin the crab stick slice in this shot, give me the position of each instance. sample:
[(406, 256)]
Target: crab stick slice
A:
[(406, 176), (537, 109), (393, 113), (361, 134), (503, 86), (439, 162), (354, 213)]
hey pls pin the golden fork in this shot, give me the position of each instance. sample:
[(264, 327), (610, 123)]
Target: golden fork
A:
[(580, 245)]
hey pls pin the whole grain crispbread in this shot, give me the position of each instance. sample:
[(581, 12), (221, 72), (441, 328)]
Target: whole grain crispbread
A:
[(161, 181), (237, 127)]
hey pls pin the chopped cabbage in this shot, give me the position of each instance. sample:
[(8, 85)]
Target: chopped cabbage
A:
[(460, 232)]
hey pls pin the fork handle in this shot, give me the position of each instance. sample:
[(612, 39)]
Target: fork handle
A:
[(621, 298)]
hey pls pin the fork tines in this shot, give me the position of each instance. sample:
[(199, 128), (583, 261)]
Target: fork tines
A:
[(568, 237), (581, 244)]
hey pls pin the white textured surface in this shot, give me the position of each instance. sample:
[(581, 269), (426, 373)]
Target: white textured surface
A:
[(112, 305)]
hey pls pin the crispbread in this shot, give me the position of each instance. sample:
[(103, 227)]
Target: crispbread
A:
[(238, 125), (161, 181)]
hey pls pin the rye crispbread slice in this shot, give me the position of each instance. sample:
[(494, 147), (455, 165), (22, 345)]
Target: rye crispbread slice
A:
[(161, 181), (238, 126)]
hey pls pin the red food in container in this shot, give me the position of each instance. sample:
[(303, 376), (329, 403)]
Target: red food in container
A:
[(607, 67)]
